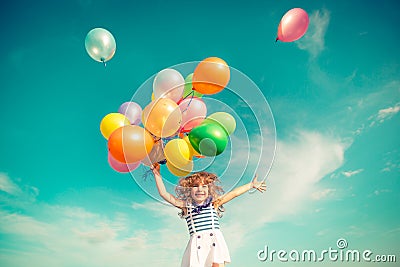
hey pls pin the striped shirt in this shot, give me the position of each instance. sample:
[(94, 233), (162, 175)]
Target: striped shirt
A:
[(207, 219)]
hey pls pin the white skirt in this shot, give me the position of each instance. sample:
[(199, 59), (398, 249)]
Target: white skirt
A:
[(205, 248)]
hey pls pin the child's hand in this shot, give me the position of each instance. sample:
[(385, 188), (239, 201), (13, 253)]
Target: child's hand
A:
[(260, 186), (155, 168)]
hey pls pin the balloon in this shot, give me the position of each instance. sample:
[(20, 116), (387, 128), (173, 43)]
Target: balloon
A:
[(132, 111), (183, 171), (188, 89), (162, 117), (168, 83), (194, 111), (111, 122), (155, 155), (193, 152), (211, 76), (209, 139), (130, 143), (293, 25), (100, 44), (177, 153), (226, 120), (120, 166)]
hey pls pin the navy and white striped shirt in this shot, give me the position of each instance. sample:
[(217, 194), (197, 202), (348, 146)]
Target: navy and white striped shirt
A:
[(207, 219)]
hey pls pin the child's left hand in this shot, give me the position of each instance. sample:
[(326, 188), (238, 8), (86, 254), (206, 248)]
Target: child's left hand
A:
[(260, 186)]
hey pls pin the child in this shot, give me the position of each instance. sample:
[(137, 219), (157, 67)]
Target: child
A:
[(200, 199)]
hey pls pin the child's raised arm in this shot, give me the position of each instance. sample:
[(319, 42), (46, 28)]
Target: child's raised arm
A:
[(260, 186), (161, 188)]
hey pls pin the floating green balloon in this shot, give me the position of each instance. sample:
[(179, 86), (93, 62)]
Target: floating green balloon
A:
[(208, 139), (188, 87), (226, 120), (100, 44)]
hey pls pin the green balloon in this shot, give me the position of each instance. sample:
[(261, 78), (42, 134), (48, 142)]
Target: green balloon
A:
[(188, 87), (226, 120), (208, 139)]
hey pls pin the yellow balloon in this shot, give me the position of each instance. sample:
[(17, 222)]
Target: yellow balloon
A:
[(193, 152), (152, 97), (162, 117), (111, 122), (183, 171), (177, 152)]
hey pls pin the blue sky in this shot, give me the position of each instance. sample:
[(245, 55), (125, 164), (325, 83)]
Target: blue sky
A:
[(334, 96)]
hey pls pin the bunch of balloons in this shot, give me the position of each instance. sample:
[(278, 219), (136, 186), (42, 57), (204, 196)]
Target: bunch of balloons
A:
[(174, 127)]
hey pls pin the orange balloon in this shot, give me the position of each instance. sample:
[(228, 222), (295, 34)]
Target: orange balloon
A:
[(162, 117), (130, 143), (211, 76)]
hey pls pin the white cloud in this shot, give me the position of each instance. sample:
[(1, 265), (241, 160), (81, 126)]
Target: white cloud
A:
[(74, 236), (26, 226), (318, 195), (381, 191), (101, 234), (58, 235), (299, 165), (388, 112), (352, 173), (391, 165), (9, 186), (314, 39), (384, 114)]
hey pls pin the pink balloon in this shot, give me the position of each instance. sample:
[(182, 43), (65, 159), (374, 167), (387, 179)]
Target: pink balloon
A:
[(194, 110), (168, 83), (121, 166), (293, 25)]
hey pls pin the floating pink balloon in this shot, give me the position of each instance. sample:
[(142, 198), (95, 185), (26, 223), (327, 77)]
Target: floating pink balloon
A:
[(293, 25), (121, 166), (194, 110)]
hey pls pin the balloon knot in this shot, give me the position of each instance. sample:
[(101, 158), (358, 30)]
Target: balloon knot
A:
[(104, 62), (276, 40)]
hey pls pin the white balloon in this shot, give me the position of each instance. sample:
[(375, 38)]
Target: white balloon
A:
[(168, 83), (100, 44)]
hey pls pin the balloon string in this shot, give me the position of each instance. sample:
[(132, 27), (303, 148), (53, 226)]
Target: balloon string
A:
[(191, 93), (190, 101)]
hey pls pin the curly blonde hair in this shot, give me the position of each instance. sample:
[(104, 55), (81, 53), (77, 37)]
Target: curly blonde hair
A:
[(184, 187)]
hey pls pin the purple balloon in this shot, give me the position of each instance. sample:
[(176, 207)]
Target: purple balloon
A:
[(132, 111), (121, 166)]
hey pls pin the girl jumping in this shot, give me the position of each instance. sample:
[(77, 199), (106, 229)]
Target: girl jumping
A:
[(200, 199)]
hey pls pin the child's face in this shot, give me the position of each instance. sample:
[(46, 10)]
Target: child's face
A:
[(199, 193)]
